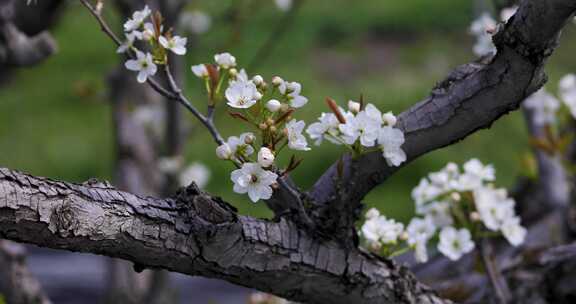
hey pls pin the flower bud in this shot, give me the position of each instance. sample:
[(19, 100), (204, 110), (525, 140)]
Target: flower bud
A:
[(404, 236), (234, 73), (372, 213), (224, 152), (265, 157), (285, 108), (249, 139), (258, 96), (277, 81), (389, 119), (258, 80), (456, 196), (353, 106), (273, 105), (263, 126), (273, 129), (475, 216)]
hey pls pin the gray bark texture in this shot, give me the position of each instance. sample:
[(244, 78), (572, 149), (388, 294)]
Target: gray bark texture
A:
[(313, 262)]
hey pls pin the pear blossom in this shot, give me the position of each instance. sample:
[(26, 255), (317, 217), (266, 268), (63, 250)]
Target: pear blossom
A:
[(420, 229), (544, 106), (129, 43), (353, 106), (481, 28), (283, 5), (389, 119), (143, 64), (242, 95), (196, 22), (224, 151), (438, 212), (507, 13), (364, 126), (372, 213), (225, 60), (494, 207), (568, 92), (390, 141), (381, 230), (254, 180), (258, 80), (265, 157), (137, 19), (424, 192), (420, 250), (296, 141), (200, 70), (240, 145), (273, 105), (455, 243), (149, 32), (197, 173), (327, 127), (292, 91), (514, 232), (475, 173), (176, 44)]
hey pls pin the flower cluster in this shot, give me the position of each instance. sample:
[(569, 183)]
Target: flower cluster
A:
[(361, 128), (268, 109), (546, 106), (463, 206), (148, 29), (484, 27)]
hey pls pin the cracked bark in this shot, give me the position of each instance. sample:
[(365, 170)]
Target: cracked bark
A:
[(471, 98), (197, 234)]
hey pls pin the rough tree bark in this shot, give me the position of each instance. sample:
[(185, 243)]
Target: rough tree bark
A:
[(198, 234)]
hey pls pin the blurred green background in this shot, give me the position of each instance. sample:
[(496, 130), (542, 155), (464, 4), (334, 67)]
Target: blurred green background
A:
[(56, 120)]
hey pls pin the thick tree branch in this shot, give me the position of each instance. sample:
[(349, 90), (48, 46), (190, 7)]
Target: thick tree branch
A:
[(197, 234), (471, 98)]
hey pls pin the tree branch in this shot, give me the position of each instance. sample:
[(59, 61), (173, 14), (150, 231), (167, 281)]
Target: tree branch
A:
[(198, 234), (471, 98)]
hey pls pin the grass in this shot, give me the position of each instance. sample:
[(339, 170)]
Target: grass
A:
[(56, 119)]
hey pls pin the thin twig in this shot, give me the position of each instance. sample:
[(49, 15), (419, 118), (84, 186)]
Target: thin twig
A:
[(500, 285)]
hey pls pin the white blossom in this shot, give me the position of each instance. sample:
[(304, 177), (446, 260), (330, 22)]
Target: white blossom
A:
[(200, 70), (420, 250), (143, 64), (514, 232), (455, 243), (149, 31), (381, 230), (137, 19), (544, 106), (296, 141), (224, 151), (254, 180), (372, 213), (273, 105), (389, 119), (197, 173), (424, 192), (327, 127), (129, 43), (292, 90), (225, 60), (475, 173), (365, 126), (353, 106), (420, 229), (196, 22), (494, 207), (283, 5), (242, 95), (176, 44), (265, 157), (568, 92), (507, 13), (390, 141), (438, 212), (241, 145), (481, 29)]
